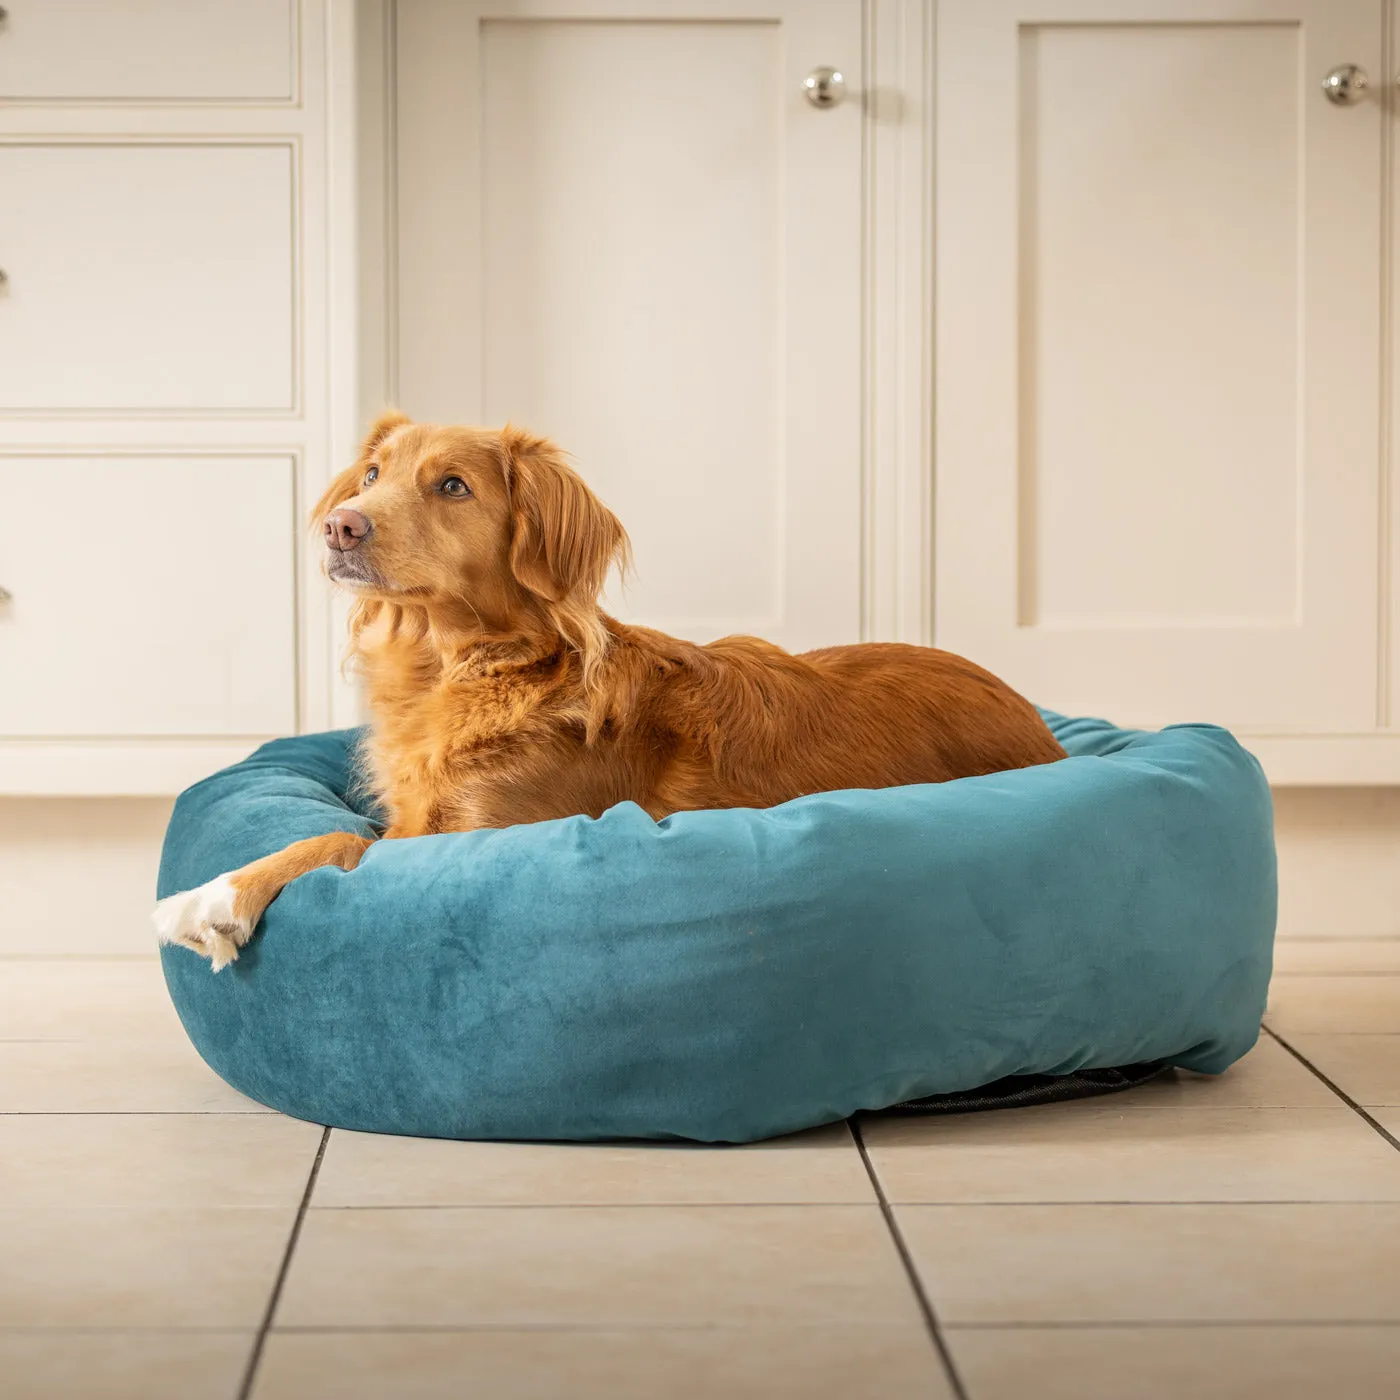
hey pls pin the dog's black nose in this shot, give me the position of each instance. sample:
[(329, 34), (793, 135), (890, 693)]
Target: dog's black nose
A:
[(345, 528)]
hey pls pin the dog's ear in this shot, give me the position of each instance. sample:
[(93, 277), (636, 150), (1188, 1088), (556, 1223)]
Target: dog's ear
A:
[(347, 483), (563, 538)]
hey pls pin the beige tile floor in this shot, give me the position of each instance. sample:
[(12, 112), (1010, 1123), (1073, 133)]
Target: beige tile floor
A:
[(161, 1237)]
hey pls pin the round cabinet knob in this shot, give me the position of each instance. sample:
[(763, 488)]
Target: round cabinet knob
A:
[(1346, 84), (824, 87)]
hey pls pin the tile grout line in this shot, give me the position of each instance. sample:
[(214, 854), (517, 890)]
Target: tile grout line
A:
[(1341, 1093), (260, 1341), (59, 1332), (463, 1207), (586, 1328), (1183, 1324), (931, 1322)]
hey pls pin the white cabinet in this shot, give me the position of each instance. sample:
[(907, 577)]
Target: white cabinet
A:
[(176, 382), (149, 596), (147, 277), (625, 225), (1159, 315), (148, 50), (1064, 340)]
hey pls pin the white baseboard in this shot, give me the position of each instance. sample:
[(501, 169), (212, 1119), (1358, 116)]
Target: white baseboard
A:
[(78, 875), (1339, 862)]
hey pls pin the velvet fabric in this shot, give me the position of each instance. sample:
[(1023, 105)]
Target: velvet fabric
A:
[(732, 975)]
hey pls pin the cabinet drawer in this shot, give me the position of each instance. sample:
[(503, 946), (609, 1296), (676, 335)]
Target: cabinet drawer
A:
[(157, 50), (148, 596), (146, 277)]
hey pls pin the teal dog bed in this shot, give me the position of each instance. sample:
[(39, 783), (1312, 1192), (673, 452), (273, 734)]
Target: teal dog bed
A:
[(731, 975)]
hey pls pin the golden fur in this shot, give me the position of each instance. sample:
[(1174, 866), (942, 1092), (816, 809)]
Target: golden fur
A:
[(501, 693)]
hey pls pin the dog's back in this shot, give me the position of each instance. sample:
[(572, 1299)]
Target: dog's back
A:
[(936, 710), (751, 725)]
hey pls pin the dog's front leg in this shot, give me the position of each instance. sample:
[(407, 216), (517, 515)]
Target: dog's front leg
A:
[(218, 918)]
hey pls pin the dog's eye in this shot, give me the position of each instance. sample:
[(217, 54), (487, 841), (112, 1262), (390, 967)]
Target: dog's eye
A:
[(371, 475), (455, 486)]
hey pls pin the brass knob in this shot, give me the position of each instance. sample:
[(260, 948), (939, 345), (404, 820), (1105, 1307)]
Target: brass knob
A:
[(824, 87), (1346, 84)]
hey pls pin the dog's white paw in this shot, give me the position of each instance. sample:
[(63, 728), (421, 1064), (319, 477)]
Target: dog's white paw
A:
[(203, 919)]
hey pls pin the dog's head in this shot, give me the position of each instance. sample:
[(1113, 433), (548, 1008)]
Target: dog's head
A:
[(471, 520)]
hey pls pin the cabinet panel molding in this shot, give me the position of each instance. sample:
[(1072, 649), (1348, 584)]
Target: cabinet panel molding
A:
[(179, 51), (180, 299), (150, 596)]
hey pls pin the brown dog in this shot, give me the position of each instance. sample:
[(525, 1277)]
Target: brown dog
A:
[(501, 693)]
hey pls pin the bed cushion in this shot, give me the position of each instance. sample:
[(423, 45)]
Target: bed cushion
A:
[(732, 975)]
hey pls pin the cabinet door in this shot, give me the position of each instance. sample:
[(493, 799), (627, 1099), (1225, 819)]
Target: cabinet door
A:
[(1158, 321), (147, 277), (148, 596), (151, 50), (626, 226)]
